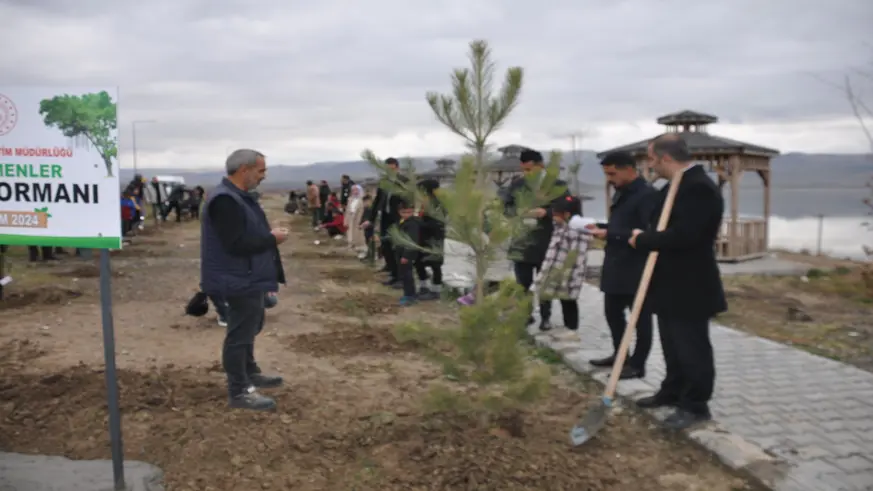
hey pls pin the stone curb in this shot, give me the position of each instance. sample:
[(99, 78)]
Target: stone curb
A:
[(49, 473), (732, 449)]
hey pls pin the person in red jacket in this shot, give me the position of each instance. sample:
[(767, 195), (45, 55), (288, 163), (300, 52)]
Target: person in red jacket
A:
[(335, 227)]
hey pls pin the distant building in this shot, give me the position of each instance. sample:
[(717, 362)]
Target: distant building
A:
[(444, 172)]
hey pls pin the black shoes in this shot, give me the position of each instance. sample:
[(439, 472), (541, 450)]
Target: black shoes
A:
[(603, 362), (628, 372), (655, 401), (250, 399), (262, 381), (682, 419)]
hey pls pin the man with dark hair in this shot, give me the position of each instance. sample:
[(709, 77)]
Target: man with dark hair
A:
[(386, 209), (686, 289), (240, 264), (529, 251), (345, 190), (323, 195), (631, 208)]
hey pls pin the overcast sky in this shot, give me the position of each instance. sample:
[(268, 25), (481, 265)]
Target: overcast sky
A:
[(313, 80)]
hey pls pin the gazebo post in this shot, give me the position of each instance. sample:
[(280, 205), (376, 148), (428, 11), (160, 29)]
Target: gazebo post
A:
[(735, 165), (765, 178)]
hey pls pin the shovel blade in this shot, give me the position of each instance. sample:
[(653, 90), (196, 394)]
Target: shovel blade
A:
[(590, 425)]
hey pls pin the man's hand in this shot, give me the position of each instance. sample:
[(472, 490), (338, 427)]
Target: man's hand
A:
[(633, 238), (599, 233), (281, 234), (365, 225), (591, 226), (403, 260)]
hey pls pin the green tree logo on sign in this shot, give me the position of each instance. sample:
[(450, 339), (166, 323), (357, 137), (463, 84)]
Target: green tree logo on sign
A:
[(92, 116)]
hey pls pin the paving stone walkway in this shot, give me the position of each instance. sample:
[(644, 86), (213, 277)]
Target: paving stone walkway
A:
[(797, 421)]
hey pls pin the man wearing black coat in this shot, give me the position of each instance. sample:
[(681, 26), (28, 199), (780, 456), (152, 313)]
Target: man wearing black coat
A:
[(686, 289), (323, 195), (345, 190), (529, 251), (631, 208), (386, 209)]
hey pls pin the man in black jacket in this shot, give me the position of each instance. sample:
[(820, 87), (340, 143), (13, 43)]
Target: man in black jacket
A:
[(529, 251), (240, 263), (345, 190), (323, 195), (631, 209), (686, 289), (386, 209)]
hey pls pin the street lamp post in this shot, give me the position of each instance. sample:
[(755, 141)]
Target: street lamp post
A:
[(142, 121)]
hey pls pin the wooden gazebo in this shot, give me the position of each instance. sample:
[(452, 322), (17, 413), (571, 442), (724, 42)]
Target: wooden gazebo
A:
[(444, 172), (508, 166), (741, 238)]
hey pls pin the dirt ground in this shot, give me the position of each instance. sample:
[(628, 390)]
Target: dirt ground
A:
[(829, 311), (349, 417)]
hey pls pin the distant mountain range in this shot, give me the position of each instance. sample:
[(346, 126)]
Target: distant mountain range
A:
[(790, 171)]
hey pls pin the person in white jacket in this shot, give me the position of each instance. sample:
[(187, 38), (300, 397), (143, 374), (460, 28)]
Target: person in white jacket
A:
[(353, 214)]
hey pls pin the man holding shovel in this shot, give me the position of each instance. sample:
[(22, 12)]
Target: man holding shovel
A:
[(686, 289)]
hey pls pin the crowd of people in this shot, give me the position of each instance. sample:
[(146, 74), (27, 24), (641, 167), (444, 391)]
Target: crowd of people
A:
[(241, 261), (141, 198)]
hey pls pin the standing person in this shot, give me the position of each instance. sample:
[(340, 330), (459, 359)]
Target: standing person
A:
[(323, 195), (632, 207), (385, 208), (347, 184), (354, 211), (432, 236), (240, 264), (314, 201), (686, 289), (529, 251), (408, 224), (175, 202), (562, 273)]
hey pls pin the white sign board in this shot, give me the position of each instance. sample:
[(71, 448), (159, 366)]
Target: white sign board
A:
[(59, 167)]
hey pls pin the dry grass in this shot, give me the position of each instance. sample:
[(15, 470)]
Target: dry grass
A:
[(829, 313)]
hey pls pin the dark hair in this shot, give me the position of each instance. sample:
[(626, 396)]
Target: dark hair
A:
[(429, 186), (392, 161), (345, 176), (621, 160), (404, 205), (309, 183), (332, 194), (567, 204), (673, 146), (532, 156)]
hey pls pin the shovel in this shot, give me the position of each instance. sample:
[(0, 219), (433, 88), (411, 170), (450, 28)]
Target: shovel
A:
[(597, 415)]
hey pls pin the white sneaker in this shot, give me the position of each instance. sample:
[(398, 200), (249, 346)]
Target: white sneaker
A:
[(338, 237), (222, 322)]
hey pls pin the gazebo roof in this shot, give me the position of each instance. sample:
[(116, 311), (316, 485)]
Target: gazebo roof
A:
[(691, 127), (444, 168)]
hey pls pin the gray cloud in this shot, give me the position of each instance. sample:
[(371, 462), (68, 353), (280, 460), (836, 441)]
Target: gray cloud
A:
[(317, 80)]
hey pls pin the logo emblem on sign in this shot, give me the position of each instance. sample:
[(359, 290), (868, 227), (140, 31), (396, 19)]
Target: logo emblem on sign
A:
[(8, 115)]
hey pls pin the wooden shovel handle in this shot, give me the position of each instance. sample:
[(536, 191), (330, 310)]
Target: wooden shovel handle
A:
[(642, 289)]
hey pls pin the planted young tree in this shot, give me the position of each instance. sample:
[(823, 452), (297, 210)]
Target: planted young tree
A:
[(486, 345), (89, 116)]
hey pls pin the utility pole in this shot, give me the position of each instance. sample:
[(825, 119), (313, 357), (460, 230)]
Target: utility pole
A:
[(142, 121)]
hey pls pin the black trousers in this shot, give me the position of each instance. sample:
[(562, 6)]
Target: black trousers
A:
[(690, 378), (407, 278), (34, 252), (524, 276), (316, 216), (614, 306), (245, 320), (387, 249)]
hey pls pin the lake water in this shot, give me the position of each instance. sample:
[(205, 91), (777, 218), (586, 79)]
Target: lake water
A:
[(794, 218)]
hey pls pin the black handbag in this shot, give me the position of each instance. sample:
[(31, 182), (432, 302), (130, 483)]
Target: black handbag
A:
[(198, 306)]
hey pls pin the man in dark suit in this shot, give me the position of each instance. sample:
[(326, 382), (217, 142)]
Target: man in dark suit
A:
[(686, 289), (386, 208), (529, 251), (632, 206)]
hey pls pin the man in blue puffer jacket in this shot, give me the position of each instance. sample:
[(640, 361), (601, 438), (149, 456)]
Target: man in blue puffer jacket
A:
[(240, 262)]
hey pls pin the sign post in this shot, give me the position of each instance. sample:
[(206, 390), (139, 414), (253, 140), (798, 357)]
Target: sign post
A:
[(59, 187)]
